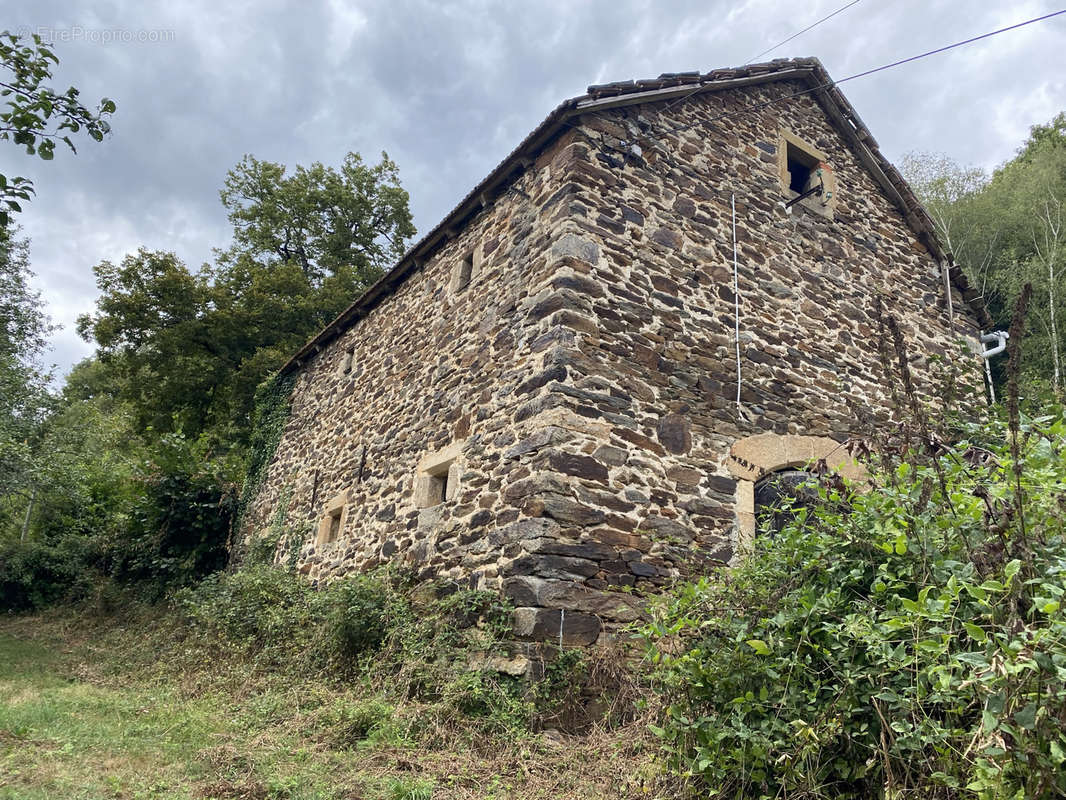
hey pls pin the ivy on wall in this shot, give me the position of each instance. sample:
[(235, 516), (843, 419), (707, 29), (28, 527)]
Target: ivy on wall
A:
[(273, 405)]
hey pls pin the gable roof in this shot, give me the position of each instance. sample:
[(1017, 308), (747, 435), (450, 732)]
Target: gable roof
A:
[(671, 85)]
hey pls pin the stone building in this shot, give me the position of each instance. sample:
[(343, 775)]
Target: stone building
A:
[(542, 396)]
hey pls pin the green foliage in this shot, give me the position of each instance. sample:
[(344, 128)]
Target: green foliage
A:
[(272, 408), (409, 789), (410, 642), (34, 115), (24, 397), (1008, 230), (179, 527), (349, 222), (261, 609), (357, 618), (281, 619), (908, 640), (39, 573), (189, 349), (155, 340), (352, 723)]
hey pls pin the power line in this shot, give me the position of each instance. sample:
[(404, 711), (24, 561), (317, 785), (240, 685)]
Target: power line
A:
[(800, 33), (830, 84), (687, 95), (952, 46)]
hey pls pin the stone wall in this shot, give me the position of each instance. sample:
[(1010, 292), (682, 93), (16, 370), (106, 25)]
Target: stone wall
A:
[(585, 380), (658, 470), (441, 372)]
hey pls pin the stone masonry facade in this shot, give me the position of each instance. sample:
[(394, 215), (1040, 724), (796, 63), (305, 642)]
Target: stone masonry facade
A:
[(544, 402)]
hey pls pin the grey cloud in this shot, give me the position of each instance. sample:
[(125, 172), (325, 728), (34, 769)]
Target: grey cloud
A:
[(448, 89)]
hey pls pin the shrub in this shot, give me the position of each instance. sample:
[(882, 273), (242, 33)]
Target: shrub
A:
[(357, 617), (908, 641), (350, 723), (263, 609), (38, 573), (409, 789), (179, 525)]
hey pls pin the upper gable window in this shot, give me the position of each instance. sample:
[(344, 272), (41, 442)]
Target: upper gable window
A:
[(801, 168)]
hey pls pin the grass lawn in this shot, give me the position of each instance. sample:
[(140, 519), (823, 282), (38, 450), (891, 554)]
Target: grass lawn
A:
[(127, 708)]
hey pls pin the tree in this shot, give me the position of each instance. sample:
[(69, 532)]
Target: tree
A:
[(35, 115), (1007, 231), (953, 196), (353, 221), (154, 334), (1041, 137), (24, 396), (1030, 192), (188, 349)]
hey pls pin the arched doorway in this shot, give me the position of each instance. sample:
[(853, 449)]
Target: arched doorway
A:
[(779, 495), (754, 460)]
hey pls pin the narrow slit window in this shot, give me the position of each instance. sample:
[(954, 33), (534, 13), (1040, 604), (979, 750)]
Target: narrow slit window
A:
[(331, 522), (466, 271), (334, 526), (329, 529), (349, 358), (437, 482)]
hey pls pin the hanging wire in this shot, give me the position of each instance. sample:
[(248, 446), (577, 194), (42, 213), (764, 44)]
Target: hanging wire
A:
[(831, 84), (800, 33)]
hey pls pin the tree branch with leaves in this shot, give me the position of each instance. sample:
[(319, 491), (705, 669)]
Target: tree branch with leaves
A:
[(37, 117)]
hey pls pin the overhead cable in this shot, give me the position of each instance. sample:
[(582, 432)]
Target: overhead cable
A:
[(800, 33)]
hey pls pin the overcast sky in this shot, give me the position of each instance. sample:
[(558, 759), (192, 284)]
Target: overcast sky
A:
[(448, 89)]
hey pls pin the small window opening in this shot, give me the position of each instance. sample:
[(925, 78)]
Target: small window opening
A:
[(780, 495), (801, 165), (466, 270), (437, 483), (332, 520), (329, 528), (349, 357), (334, 526)]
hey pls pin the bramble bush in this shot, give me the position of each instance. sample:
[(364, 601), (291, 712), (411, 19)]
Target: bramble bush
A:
[(906, 640)]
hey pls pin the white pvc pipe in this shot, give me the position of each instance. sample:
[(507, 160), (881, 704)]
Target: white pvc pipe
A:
[(736, 294), (1000, 338)]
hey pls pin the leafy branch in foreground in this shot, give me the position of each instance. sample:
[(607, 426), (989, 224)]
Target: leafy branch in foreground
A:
[(882, 645), (37, 116)]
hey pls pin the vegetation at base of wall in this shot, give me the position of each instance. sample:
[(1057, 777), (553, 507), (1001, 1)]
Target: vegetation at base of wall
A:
[(908, 639), (432, 643), (135, 701), (255, 684)]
